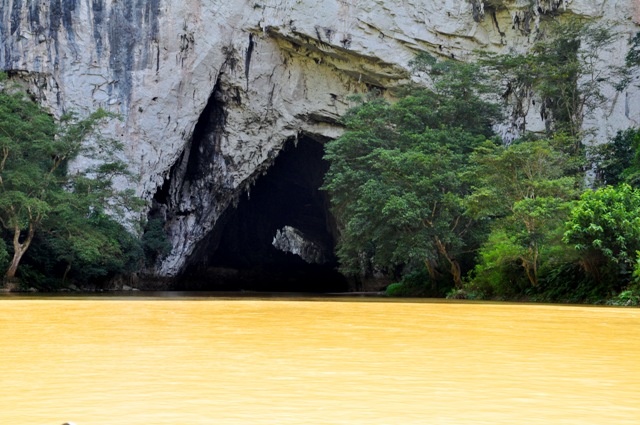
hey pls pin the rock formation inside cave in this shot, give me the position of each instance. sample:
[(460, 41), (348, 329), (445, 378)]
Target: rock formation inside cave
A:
[(279, 237)]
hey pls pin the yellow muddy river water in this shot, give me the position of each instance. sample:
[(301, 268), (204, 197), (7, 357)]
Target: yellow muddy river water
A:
[(315, 361)]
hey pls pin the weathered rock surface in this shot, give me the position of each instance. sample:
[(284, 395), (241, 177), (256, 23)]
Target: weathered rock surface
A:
[(289, 239), (210, 91)]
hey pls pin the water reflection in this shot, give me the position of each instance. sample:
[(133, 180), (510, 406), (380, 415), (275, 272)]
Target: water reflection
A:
[(245, 360)]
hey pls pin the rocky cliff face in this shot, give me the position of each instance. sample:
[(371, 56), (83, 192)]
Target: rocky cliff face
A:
[(210, 91)]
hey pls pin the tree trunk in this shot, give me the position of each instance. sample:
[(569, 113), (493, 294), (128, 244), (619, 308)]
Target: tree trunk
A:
[(430, 269), (454, 269), (66, 273), (433, 276), (454, 266), (530, 271), (19, 248), (13, 268), (531, 267)]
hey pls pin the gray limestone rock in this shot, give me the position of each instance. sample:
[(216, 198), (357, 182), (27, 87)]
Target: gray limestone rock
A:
[(289, 239)]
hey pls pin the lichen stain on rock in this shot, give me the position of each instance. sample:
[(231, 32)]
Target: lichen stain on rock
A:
[(15, 15), (61, 13), (98, 12), (132, 28)]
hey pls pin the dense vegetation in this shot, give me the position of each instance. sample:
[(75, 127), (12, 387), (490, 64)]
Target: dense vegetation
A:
[(426, 193), (58, 225)]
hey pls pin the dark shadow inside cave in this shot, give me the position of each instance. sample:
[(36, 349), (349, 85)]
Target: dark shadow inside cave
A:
[(280, 236)]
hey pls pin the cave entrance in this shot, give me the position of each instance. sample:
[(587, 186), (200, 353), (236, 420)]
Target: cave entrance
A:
[(280, 236)]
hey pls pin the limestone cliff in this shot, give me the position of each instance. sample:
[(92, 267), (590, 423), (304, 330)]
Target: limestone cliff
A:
[(210, 91)]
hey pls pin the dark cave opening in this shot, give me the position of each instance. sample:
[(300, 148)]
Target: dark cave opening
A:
[(279, 237)]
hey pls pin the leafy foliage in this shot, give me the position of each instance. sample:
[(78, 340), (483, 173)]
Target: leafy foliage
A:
[(400, 203), (4, 255), (525, 190), (86, 257), (416, 184), (498, 272), (397, 178), (38, 195), (459, 96), (605, 226), (564, 69), (569, 282), (417, 283), (618, 160), (633, 56), (155, 242)]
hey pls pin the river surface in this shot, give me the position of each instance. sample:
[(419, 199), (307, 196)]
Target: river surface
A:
[(218, 361)]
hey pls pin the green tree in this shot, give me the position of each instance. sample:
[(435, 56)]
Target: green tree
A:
[(463, 95), (564, 67), (28, 163), (605, 227), (81, 237), (498, 271), (397, 176), (155, 241), (618, 160), (36, 191), (401, 200), (87, 253), (525, 191)]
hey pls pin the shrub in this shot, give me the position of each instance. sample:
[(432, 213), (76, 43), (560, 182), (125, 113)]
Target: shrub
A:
[(155, 241), (415, 284), (605, 229)]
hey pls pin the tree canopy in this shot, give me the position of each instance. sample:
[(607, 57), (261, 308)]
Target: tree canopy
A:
[(397, 177), (39, 196), (525, 189), (605, 225)]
